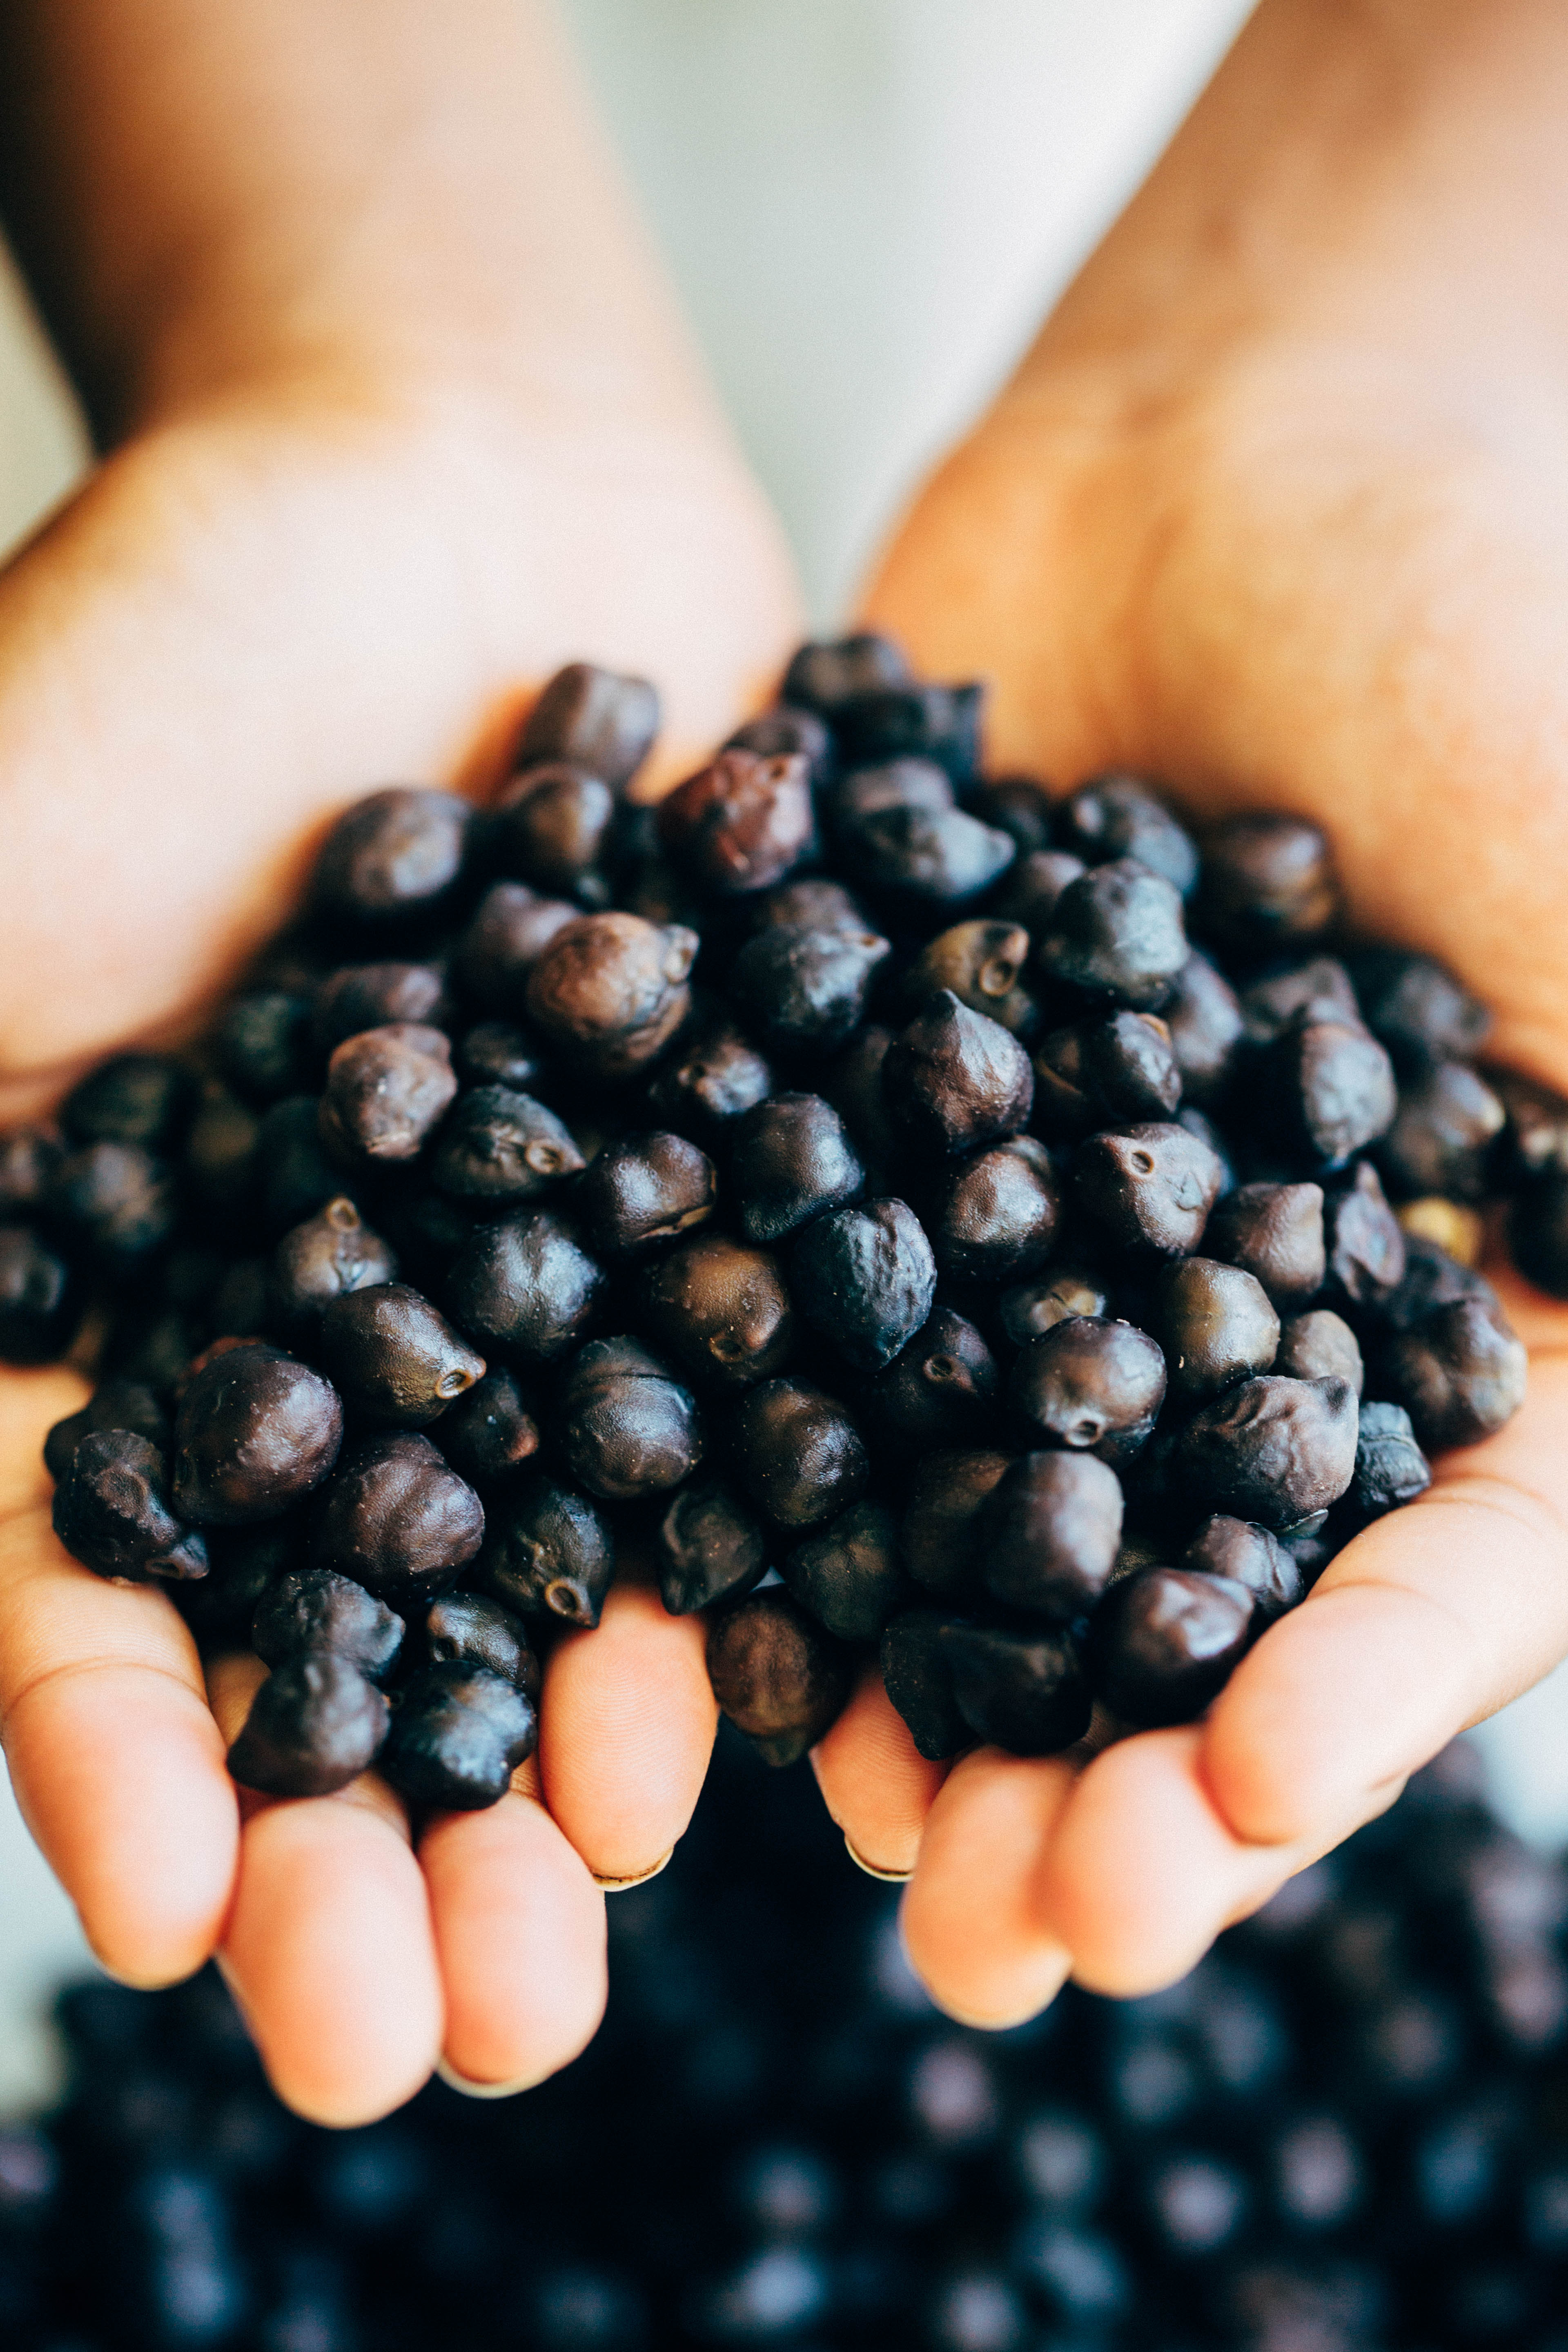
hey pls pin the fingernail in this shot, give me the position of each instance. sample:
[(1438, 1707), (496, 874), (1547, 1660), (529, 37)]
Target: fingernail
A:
[(639, 1878), (872, 1870), (467, 2090)]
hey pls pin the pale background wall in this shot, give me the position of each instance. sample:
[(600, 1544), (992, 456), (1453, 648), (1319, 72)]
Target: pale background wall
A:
[(867, 205)]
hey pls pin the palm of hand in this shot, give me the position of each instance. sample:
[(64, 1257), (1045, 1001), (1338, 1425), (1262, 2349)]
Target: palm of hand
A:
[(1254, 593), (245, 619)]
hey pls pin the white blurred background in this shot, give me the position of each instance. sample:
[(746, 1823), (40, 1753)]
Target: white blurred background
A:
[(867, 206)]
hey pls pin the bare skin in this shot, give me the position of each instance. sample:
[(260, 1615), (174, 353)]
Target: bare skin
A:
[(396, 419), (1276, 510)]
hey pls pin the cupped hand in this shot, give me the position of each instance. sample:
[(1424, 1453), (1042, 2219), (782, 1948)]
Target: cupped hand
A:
[(251, 613), (1272, 514)]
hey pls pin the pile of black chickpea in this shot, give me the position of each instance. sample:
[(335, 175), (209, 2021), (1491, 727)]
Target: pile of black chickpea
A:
[(845, 1180)]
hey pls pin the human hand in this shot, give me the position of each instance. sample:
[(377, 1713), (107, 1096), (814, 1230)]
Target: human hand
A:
[(392, 439), (1273, 514)]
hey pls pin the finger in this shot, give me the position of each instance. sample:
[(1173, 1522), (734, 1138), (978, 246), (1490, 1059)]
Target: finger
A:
[(625, 1731), (329, 1946), (1142, 1871), (520, 1929), (875, 1783), (115, 1758), (972, 1919), (1429, 1621)]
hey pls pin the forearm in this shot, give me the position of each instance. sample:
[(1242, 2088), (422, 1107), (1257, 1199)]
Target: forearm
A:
[(205, 190)]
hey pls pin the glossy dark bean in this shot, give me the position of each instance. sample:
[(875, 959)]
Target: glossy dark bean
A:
[(1100, 1073), (1016, 805), (938, 1391), (913, 722), (1250, 1556), (1028, 893), (1267, 882), (1272, 1449), (373, 996), (393, 1357), (1000, 1214), (853, 1085), (1320, 1347), (597, 718), (1164, 1643), (293, 1175), (125, 1404), (328, 1255), (711, 1547), (740, 823), (1421, 1013), (112, 1511), (1535, 1142), (1319, 985), (917, 1675), (1327, 1087), (551, 825), (396, 1518), (982, 964), (629, 1427), (1215, 1324), (117, 1202), (41, 1300), (1460, 1373), (927, 859), (849, 1576), (499, 1146), (499, 1054), (1390, 1469), (1442, 1136), (865, 1277), (936, 1536), (1092, 1384), (1275, 1232), (721, 1309), (783, 733), (1116, 933), (525, 1285), (489, 1431), (387, 1091), (610, 991), (468, 1629), (392, 858), (955, 1079), (256, 1430), (315, 1724), (900, 785), (1203, 1019), (315, 1609), (1366, 1247), (508, 931), (549, 1552), (1032, 1309), (791, 1161), (458, 1735), (1117, 817), (828, 672), (814, 904), (644, 1192), (776, 1674), (244, 1563), (143, 1098), (715, 1075), (801, 988), (1025, 1692), (1149, 1189), (264, 1044), (796, 1453), (1047, 1537), (1430, 1278)]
